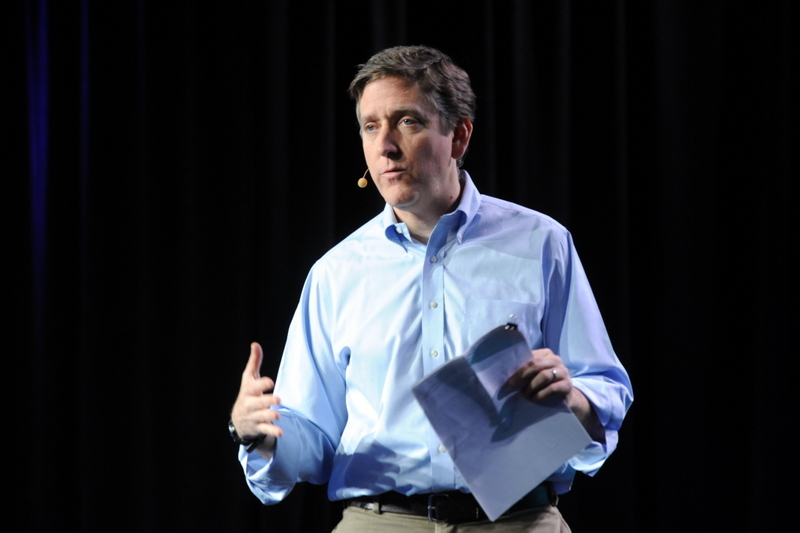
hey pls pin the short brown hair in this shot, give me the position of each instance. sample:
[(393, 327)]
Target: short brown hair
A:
[(433, 72)]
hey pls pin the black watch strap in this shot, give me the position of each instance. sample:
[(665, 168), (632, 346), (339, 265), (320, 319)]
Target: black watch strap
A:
[(251, 444)]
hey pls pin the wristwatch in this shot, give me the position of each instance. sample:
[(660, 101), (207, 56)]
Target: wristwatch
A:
[(251, 444)]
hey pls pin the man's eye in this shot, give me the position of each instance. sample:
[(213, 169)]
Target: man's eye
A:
[(409, 122), (369, 127)]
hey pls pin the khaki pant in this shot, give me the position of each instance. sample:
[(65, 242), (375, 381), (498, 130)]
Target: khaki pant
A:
[(542, 519)]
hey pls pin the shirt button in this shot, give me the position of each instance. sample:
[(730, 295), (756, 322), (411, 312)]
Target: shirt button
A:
[(434, 353), (433, 259), (398, 229), (442, 448), (433, 305)]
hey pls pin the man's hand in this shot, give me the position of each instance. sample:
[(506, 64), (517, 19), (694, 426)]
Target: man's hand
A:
[(252, 415), (545, 377)]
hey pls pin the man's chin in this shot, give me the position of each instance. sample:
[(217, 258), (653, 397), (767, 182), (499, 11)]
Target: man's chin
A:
[(400, 199)]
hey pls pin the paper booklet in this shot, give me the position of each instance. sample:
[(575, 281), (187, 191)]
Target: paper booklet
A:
[(503, 444)]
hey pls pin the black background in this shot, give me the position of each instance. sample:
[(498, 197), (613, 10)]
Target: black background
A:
[(187, 162)]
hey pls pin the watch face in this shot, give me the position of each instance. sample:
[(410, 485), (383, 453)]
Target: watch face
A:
[(232, 431)]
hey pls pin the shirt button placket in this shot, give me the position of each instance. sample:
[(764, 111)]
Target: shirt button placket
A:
[(435, 322), (433, 304)]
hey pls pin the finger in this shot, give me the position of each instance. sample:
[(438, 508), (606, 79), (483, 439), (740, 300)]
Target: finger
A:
[(265, 428), (543, 353), (540, 358), (536, 383), (261, 404), (264, 419), (253, 368), (547, 362), (538, 373), (549, 381), (522, 375), (256, 387), (556, 389), (254, 413), (258, 413)]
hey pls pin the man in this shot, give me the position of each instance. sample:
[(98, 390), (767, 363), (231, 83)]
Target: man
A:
[(411, 289)]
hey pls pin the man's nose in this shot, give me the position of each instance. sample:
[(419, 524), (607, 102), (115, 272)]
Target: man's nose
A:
[(388, 144)]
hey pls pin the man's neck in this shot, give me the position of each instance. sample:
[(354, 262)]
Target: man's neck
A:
[(421, 225), (419, 228)]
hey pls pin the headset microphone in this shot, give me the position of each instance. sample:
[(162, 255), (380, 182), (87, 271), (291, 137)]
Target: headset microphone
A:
[(362, 181)]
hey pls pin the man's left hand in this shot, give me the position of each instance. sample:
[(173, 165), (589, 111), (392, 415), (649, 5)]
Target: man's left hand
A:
[(545, 377)]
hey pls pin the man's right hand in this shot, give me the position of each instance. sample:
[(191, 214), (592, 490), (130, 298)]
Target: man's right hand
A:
[(252, 415)]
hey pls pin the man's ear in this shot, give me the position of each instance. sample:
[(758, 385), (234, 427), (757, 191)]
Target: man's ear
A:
[(461, 135)]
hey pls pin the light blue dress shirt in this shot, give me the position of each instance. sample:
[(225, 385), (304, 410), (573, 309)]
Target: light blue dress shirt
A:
[(379, 311)]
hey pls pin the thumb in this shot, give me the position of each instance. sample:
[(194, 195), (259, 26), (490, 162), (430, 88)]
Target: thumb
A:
[(253, 368)]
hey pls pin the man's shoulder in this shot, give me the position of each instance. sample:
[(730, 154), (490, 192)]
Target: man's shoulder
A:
[(493, 210), (368, 236)]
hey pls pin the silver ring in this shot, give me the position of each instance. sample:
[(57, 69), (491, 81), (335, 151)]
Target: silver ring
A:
[(555, 375)]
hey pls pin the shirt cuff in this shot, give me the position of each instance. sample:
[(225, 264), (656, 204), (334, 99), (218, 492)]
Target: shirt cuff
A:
[(271, 480)]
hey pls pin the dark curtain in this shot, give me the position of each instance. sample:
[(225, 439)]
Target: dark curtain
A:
[(172, 169)]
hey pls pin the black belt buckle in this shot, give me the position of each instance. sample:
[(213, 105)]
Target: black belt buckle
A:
[(434, 511)]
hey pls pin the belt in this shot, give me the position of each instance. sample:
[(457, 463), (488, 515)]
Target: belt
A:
[(453, 506)]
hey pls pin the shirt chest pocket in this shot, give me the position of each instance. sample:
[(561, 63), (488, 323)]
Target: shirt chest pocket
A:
[(483, 315)]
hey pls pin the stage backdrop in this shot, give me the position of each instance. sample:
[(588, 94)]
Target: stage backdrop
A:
[(172, 169)]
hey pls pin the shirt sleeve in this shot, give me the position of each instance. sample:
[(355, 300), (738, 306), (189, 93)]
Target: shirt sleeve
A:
[(574, 329), (311, 386)]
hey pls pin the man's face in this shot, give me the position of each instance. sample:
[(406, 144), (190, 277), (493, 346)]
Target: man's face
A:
[(409, 157)]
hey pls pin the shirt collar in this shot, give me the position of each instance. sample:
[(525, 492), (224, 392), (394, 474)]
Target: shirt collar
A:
[(469, 205), (459, 220)]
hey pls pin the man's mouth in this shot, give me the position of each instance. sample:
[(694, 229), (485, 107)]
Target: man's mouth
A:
[(392, 173)]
